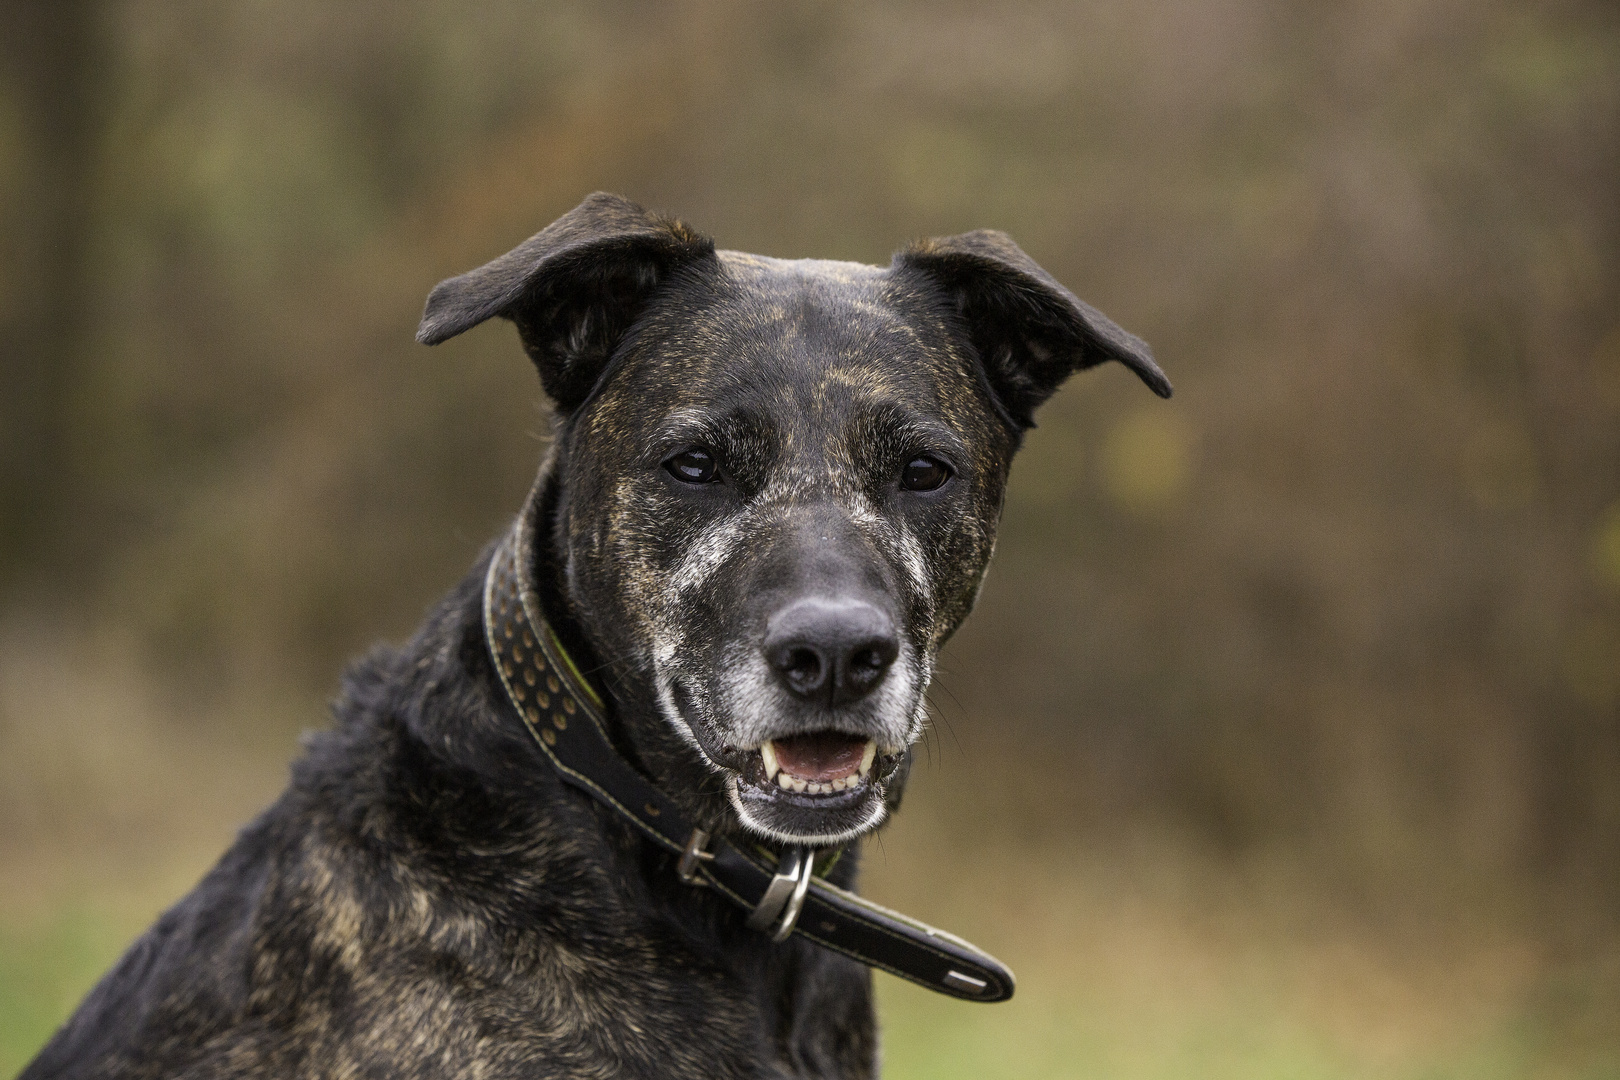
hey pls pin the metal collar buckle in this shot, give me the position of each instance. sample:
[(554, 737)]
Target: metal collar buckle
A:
[(785, 894), (687, 868), (784, 897)]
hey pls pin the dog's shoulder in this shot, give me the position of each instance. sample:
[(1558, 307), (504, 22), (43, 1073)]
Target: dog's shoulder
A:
[(423, 900)]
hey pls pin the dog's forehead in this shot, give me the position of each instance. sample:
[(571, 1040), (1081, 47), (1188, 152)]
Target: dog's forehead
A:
[(828, 312), (791, 338)]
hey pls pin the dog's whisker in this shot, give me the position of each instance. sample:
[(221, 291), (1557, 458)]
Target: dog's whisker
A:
[(939, 683), (937, 715)]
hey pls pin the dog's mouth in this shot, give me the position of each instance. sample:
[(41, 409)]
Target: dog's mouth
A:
[(821, 788), (818, 787), (823, 763)]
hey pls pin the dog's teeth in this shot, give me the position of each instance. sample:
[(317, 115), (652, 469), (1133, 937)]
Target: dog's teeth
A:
[(788, 782)]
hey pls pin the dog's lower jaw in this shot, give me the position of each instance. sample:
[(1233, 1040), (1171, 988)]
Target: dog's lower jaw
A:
[(876, 811)]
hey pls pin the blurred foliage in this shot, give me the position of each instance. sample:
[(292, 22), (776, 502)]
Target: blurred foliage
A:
[(1351, 599)]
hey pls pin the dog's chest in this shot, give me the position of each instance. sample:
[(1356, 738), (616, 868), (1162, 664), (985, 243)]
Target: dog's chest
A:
[(607, 999), (553, 959)]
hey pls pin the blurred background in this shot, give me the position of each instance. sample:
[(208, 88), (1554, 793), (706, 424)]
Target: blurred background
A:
[(1285, 741)]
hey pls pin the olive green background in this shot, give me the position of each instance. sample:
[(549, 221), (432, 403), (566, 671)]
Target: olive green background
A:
[(1285, 741)]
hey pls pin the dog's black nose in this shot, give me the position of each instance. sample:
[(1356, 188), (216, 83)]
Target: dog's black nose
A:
[(834, 651)]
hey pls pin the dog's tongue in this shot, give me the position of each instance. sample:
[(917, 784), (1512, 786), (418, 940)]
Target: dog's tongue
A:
[(826, 755)]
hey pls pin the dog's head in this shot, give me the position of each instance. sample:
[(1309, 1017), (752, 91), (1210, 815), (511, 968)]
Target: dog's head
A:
[(777, 486)]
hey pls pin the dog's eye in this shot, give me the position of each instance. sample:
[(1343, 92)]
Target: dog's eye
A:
[(924, 474), (694, 467)]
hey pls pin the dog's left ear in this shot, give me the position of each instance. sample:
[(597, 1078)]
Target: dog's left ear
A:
[(573, 289), (1030, 332)]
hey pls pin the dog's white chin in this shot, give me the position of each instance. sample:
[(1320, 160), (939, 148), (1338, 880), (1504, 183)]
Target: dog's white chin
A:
[(875, 817)]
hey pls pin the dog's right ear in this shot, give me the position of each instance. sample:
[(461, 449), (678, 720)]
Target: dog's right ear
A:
[(573, 289)]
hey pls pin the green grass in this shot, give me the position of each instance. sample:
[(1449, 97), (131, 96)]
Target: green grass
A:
[(46, 966), (929, 1037)]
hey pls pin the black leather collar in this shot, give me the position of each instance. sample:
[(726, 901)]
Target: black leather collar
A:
[(565, 715)]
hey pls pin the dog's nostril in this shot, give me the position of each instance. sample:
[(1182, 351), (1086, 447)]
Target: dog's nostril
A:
[(803, 668), (868, 663)]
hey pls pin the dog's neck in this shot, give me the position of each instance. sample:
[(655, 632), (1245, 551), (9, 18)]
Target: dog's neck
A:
[(633, 718), (547, 569)]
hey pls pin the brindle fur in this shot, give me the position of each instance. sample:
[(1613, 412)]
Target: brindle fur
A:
[(426, 898)]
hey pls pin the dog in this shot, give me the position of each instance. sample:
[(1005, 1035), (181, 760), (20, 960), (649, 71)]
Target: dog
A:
[(771, 497)]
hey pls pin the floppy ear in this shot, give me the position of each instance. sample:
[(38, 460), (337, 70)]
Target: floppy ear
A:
[(1030, 332), (573, 289)]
